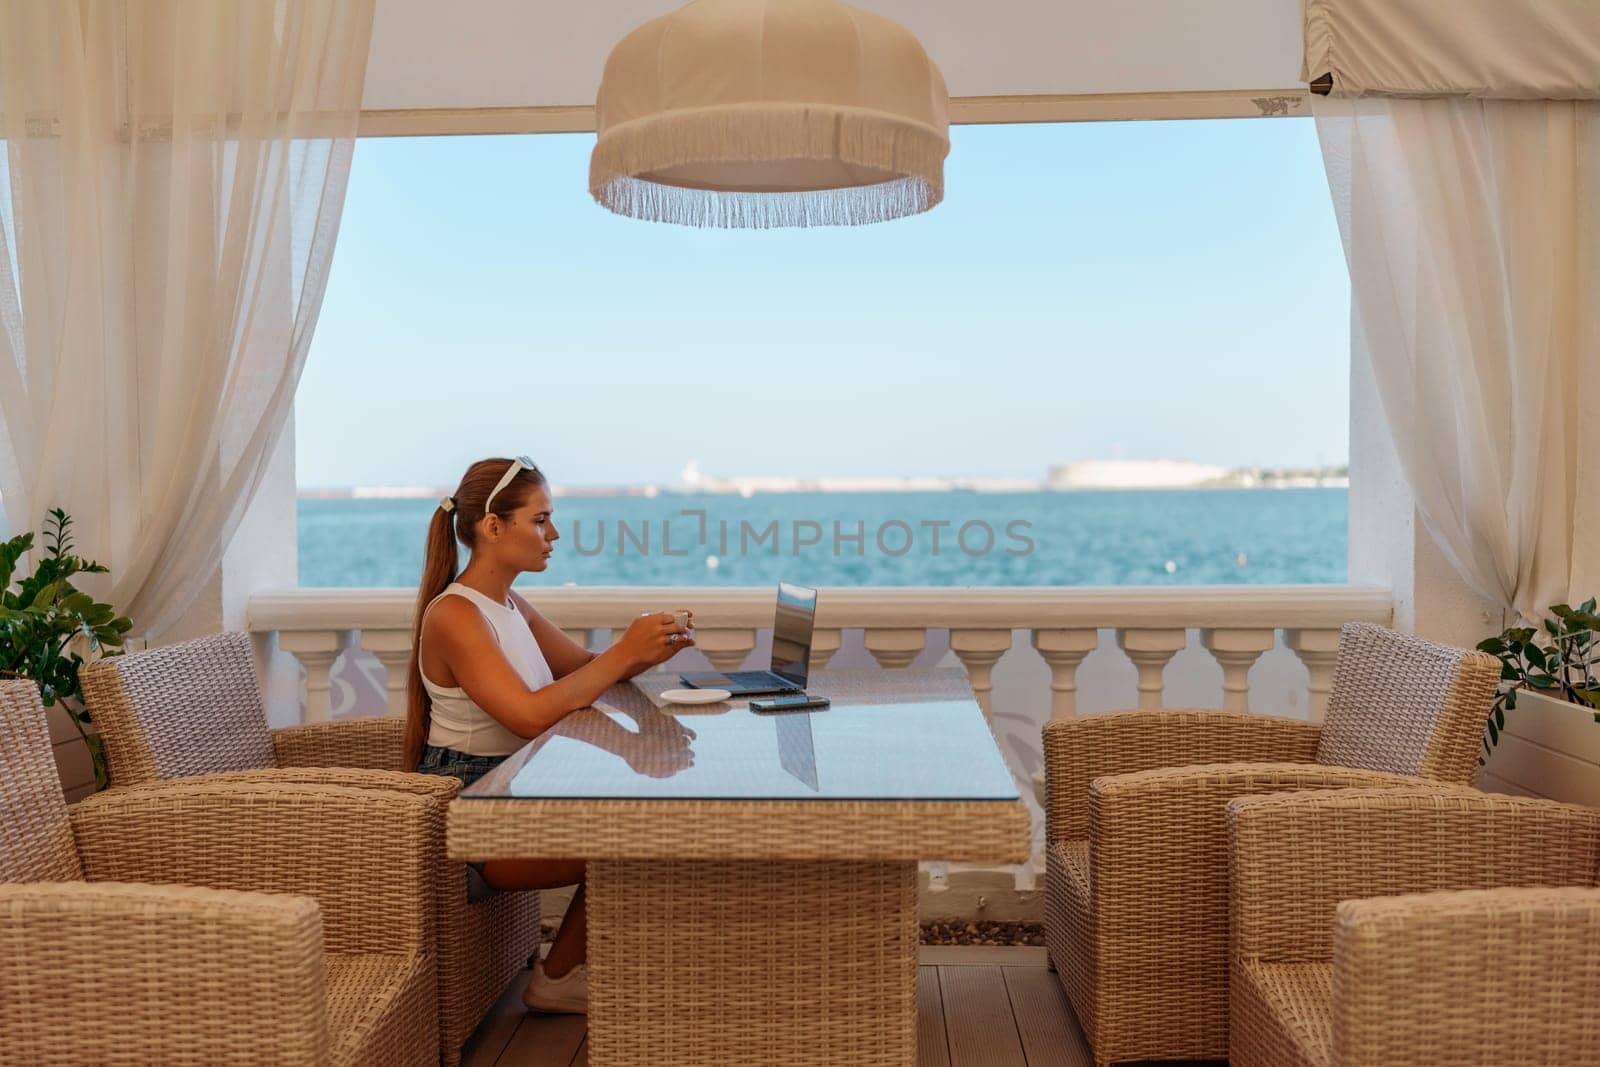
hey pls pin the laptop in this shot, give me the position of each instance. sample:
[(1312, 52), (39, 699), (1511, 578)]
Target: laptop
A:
[(791, 651)]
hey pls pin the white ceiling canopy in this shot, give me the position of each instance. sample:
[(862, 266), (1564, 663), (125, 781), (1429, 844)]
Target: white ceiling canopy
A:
[(548, 53), (1533, 50)]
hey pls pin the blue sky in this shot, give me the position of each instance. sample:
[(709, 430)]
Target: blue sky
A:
[(1087, 290)]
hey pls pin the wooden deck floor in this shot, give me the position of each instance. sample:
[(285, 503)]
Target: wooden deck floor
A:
[(998, 1007)]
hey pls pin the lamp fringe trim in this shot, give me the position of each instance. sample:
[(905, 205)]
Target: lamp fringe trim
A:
[(761, 133)]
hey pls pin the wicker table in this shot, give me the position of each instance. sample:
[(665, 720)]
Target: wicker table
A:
[(752, 879)]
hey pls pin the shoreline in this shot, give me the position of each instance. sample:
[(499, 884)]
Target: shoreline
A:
[(651, 491)]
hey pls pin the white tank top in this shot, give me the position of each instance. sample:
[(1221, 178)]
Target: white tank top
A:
[(457, 722)]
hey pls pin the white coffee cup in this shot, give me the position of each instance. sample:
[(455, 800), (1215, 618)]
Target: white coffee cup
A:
[(682, 618)]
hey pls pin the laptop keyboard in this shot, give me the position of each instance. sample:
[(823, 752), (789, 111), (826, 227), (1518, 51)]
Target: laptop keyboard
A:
[(760, 678)]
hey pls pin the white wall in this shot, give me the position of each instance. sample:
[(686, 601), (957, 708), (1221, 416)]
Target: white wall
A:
[(528, 53)]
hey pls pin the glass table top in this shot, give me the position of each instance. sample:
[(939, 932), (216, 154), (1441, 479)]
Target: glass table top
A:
[(902, 745)]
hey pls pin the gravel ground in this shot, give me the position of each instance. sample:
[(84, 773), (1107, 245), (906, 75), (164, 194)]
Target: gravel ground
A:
[(954, 933), (982, 933)]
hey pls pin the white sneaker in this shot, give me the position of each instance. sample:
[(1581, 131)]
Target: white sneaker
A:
[(568, 994)]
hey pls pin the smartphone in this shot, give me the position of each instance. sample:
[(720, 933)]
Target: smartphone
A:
[(798, 702)]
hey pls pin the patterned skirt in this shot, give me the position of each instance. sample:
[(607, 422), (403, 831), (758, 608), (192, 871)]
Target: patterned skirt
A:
[(469, 769), (462, 765)]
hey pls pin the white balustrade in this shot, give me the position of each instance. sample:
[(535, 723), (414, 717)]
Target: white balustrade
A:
[(979, 651), (726, 649), (1150, 651), (392, 649), (1317, 649), (1063, 651), (1236, 651), (824, 643), (316, 650), (1237, 625), (895, 647)]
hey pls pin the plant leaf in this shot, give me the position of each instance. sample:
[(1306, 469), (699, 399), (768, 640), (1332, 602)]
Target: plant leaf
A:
[(102, 767), (77, 603), (42, 614)]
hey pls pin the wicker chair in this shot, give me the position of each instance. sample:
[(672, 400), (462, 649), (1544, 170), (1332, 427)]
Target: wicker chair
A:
[(96, 968), (1441, 963), (195, 708), (1136, 912)]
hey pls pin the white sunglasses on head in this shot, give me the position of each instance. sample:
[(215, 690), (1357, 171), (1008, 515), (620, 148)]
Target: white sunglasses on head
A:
[(521, 463)]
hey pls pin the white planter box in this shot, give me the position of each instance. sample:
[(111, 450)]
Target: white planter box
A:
[(1549, 748)]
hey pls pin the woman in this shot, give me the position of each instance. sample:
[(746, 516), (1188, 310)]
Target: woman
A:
[(489, 672)]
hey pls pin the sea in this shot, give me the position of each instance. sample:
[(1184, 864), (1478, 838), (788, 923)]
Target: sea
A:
[(958, 538)]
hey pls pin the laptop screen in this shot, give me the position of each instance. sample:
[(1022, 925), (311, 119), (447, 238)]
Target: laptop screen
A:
[(791, 632)]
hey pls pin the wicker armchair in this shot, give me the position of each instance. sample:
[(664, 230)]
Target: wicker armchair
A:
[(1136, 914), (1442, 963), (195, 708), (96, 968)]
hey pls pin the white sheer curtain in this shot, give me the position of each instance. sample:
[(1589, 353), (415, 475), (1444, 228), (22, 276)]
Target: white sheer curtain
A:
[(172, 184), (1472, 231)]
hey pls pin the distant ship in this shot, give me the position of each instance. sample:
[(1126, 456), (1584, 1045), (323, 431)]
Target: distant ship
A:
[(694, 480), (1181, 474), (1134, 474)]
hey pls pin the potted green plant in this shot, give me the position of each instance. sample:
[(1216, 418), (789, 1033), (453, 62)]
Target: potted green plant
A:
[(1549, 701), (48, 626)]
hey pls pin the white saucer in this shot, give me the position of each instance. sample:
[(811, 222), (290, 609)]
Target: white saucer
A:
[(695, 696)]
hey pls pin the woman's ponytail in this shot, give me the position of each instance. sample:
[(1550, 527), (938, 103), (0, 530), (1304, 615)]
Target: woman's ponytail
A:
[(438, 571), (455, 519)]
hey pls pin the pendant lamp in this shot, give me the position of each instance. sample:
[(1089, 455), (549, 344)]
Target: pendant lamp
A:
[(763, 113)]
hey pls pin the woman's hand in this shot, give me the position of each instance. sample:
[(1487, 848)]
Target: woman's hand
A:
[(663, 746), (654, 638)]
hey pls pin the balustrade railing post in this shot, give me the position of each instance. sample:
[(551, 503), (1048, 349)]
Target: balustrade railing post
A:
[(895, 648), (726, 649), (316, 650), (1236, 626), (392, 648), (1236, 651), (1150, 651), (1063, 651), (824, 643), (1318, 650), (979, 651)]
